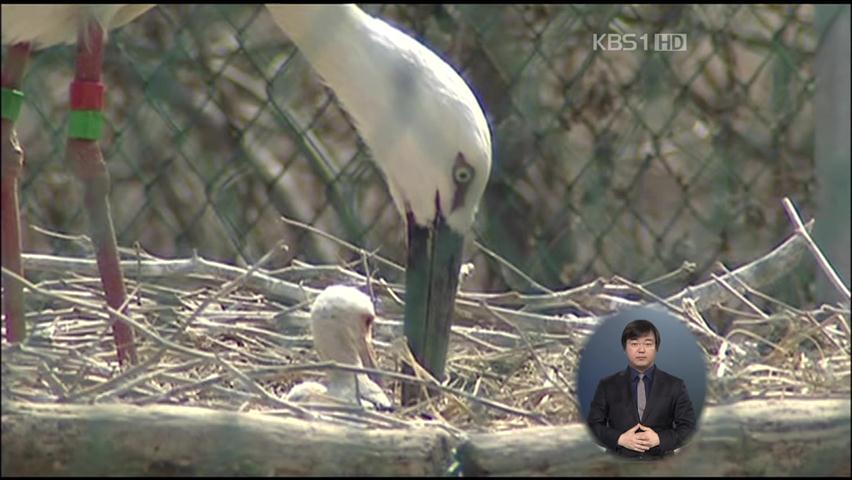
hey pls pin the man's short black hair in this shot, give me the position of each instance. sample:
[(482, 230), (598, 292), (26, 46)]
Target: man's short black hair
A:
[(636, 329)]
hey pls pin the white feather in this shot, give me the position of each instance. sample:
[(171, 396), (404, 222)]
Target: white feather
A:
[(45, 25), (411, 108)]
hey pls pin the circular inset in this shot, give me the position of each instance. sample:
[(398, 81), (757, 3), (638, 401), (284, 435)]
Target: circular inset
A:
[(627, 370)]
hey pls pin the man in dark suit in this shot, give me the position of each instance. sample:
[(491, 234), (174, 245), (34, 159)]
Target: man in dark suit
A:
[(641, 412)]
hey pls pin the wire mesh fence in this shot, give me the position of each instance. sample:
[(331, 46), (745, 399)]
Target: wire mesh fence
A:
[(606, 160)]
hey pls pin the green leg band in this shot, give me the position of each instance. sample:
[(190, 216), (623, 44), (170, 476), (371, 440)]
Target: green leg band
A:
[(86, 124), (12, 101)]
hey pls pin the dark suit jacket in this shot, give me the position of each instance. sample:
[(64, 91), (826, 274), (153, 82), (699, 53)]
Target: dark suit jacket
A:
[(668, 411)]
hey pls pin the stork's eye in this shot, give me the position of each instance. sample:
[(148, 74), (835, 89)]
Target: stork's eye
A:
[(462, 173)]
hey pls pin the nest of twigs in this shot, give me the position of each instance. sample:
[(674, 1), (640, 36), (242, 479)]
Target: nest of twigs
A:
[(236, 339)]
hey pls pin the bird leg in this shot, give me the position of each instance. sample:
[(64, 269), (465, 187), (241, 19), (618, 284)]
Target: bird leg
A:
[(85, 128), (12, 166)]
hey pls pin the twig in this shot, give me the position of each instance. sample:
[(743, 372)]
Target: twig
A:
[(143, 329), (120, 384), (82, 240), (230, 286), (812, 246), (251, 385), (94, 345), (339, 241), (535, 302), (765, 270), (271, 286), (685, 267), (757, 293), (534, 355), (739, 296), (511, 267)]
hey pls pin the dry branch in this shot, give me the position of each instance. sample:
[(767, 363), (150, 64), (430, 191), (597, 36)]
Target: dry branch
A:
[(817, 253), (259, 280), (280, 289), (756, 274)]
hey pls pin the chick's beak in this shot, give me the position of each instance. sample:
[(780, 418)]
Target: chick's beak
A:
[(367, 354)]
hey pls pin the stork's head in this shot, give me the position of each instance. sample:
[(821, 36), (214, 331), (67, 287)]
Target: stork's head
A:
[(428, 134), (341, 324), (426, 130), (421, 121)]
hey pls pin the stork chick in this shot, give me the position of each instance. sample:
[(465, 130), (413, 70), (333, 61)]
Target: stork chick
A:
[(341, 325)]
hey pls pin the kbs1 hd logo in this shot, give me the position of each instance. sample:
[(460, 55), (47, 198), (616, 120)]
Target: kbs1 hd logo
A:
[(629, 42)]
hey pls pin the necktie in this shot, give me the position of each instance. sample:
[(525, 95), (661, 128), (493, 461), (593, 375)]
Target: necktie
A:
[(640, 396)]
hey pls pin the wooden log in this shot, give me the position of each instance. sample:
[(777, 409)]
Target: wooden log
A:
[(121, 439), (753, 437)]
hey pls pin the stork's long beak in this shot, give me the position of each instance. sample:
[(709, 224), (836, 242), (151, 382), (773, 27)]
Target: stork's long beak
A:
[(368, 355), (432, 276)]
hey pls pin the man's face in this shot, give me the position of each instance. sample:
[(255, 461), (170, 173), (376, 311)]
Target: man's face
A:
[(641, 351)]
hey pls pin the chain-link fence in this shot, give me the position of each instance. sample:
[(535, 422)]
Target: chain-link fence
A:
[(605, 161)]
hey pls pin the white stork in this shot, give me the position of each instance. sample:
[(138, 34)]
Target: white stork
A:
[(38, 26), (341, 325), (428, 135), (46, 25)]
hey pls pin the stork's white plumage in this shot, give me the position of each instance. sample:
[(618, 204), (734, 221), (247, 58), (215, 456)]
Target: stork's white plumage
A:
[(341, 324), (412, 109), (45, 25), (428, 134)]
